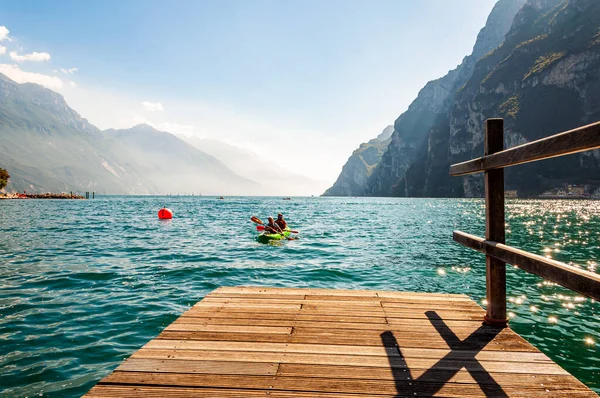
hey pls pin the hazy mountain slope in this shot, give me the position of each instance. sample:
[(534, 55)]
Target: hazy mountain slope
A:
[(411, 130), (167, 164), (359, 167), (274, 179), (49, 147)]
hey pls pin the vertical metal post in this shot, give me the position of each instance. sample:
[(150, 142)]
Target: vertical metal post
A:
[(494, 226)]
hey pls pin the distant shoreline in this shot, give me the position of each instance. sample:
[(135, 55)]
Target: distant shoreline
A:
[(40, 196)]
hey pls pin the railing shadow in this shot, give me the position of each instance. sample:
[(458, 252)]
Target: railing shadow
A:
[(462, 355)]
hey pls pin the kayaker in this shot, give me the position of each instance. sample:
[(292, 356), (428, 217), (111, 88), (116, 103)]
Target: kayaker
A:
[(281, 222), (272, 227)]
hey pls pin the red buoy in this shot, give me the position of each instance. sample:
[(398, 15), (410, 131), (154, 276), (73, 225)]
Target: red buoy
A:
[(165, 214)]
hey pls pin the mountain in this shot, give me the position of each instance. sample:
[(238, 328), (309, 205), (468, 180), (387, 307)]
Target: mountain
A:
[(544, 79), (47, 146), (169, 164), (410, 143), (274, 179), (360, 166), (537, 65)]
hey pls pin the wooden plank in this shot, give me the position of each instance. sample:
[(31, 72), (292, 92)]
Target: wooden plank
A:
[(205, 367), (540, 367), (405, 340), (249, 306), (502, 342), (195, 313), (129, 390), (250, 319), (453, 305), (445, 315), (233, 314), (306, 384), (294, 291), (234, 321), (343, 309), (244, 300), (523, 380), (229, 328), (188, 324), (573, 278), (132, 390), (247, 310), (581, 139), (406, 352), (273, 347), (215, 294), (219, 336)]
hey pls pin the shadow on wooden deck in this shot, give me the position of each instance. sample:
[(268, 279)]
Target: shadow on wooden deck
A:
[(462, 355)]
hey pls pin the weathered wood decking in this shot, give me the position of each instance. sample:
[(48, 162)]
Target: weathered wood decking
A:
[(256, 342)]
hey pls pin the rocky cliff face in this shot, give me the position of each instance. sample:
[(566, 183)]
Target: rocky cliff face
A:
[(410, 143), (359, 167), (537, 65), (544, 79)]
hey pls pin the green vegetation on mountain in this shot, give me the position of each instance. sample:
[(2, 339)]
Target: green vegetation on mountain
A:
[(3, 178), (510, 107)]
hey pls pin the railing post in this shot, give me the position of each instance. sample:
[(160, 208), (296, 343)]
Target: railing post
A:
[(494, 226)]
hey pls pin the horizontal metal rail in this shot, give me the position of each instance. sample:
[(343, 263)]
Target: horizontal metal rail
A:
[(581, 281), (578, 140)]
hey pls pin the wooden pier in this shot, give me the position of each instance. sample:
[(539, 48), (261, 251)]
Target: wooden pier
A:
[(276, 342)]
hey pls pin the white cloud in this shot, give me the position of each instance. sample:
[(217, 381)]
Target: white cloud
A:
[(2, 50), (72, 83), (153, 106), (20, 76), (34, 56), (4, 33), (68, 71)]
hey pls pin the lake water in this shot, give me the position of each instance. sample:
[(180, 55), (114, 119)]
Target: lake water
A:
[(83, 284)]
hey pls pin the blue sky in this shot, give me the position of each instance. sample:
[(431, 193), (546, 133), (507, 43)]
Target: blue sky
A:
[(308, 79)]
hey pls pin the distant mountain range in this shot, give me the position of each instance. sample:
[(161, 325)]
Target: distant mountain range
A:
[(48, 147), (536, 64), (273, 178)]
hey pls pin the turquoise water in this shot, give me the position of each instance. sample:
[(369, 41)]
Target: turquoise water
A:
[(83, 284)]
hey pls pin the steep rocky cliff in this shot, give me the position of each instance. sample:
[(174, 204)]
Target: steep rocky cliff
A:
[(544, 79), (537, 65), (409, 144), (359, 167)]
